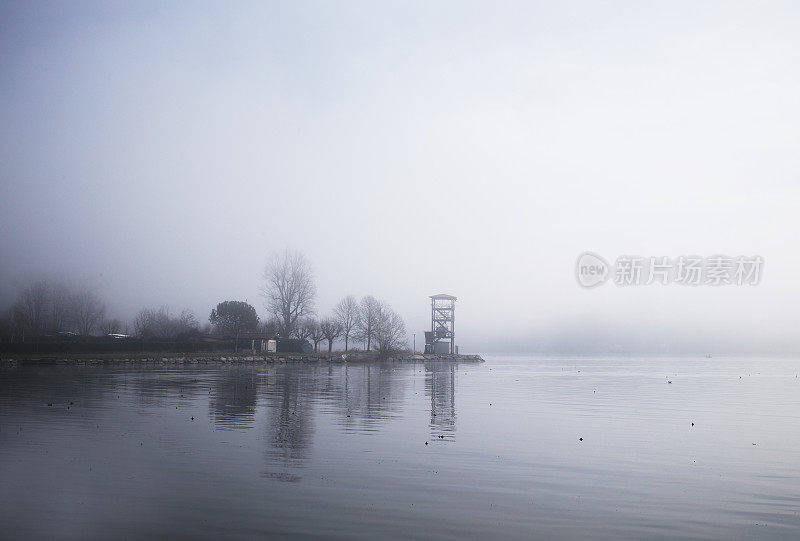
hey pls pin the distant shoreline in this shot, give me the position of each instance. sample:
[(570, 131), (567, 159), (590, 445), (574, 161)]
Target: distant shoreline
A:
[(220, 358)]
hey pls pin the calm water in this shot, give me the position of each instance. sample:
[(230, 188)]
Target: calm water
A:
[(318, 450)]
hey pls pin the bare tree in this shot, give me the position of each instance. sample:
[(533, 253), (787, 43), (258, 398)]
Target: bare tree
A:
[(18, 320), (6, 328), (31, 309), (303, 328), (59, 308), (151, 323), (331, 330), (110, 326), (346, 313), (87, 312), (160, 324), (315, 333), (368, 310), (43, 308), (390, 331), (144, 323), (289, 289), (270, 327), (187, 324)]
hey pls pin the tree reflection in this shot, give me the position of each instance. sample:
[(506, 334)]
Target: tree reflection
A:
[(284, 401), (234, 396), (362, 396), (290, 392), (369, 393)]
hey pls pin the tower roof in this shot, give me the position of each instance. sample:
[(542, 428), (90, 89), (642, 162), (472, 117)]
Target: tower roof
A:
[(443, 296)]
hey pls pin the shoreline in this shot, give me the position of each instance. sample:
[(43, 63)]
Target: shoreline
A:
[(163, 358)]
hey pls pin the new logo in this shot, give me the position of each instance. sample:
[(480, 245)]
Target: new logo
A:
[(591, 270)]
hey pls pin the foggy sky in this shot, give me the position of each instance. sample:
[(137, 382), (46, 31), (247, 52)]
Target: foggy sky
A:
[(159, 153)]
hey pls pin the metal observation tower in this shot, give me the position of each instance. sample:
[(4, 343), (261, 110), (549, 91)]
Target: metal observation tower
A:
[(441, 338)]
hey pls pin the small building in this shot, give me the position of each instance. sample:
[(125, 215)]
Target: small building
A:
[(257, 342)]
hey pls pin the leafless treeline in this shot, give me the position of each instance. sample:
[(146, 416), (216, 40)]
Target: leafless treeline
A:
[(370, 322), (289, 294), (44, 309), (49, 310), (160, 324)]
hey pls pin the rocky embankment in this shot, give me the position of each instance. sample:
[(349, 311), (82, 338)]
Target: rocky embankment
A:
[(162, 359), (442, 357)]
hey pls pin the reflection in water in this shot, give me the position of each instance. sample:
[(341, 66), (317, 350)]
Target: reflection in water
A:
[(169, 450), (290, 414), (159, 388), (58, 386), (440, 385), (233, 397), (280, 400), (368, 393), (361, 396)]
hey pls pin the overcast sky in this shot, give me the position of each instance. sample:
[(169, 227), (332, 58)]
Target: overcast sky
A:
[(159, 153)]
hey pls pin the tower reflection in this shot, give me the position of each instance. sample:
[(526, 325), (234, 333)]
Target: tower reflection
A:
[(440, 386)]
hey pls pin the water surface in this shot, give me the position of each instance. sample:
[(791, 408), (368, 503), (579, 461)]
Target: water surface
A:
[(517, 447)]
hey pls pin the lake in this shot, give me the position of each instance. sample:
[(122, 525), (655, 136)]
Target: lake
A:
[(514, 448)]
